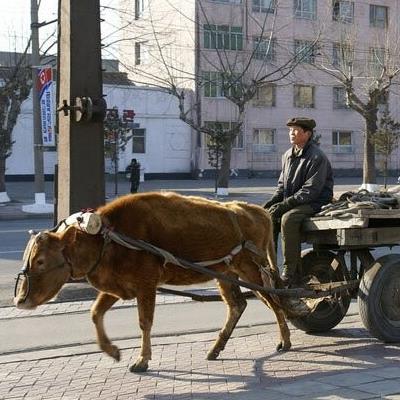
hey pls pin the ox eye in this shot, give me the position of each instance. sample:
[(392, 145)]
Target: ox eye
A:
[(39, 262)]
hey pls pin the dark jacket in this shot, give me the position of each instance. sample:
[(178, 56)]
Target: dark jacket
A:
[(306, 177)]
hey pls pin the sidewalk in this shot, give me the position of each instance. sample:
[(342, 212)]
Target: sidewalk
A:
[(345, 363)]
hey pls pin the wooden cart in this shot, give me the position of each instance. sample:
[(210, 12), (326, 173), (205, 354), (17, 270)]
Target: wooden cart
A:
[(342, 251)]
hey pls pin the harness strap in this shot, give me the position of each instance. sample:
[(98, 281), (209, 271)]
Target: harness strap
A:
[(96, 264), (227, 259), (249, 245), (168, 257)]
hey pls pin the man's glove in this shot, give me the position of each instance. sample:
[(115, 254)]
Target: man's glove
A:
[(277, 210), (274, 200)]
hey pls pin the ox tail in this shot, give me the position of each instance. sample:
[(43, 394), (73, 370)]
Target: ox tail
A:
[(270, 272)]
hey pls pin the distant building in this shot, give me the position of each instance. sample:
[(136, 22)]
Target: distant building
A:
[(196, 36), (161, 142)]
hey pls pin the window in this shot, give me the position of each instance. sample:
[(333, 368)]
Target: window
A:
[(304, 51), (264, 49), (263, 140), (342, 141), (219, 84), (303, 96), (305, 9), (265, 6), (138, 140), (212, 84), (265, 96), (342, 55), (238, 142), (339, 97), (343, 11), (223, 37), (378, 16), (376, 59)]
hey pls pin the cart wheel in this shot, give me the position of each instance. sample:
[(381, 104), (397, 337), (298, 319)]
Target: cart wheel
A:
[(330, 312), (379, 298)]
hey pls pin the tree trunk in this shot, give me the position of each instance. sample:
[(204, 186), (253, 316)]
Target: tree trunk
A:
[(224, 172), (2, 174), (385, 172), (369, 171)]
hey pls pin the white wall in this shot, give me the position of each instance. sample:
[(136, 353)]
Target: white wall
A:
[(21, 160), (168, 140)]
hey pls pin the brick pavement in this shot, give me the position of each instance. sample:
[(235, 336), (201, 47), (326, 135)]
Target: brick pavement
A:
[(345, 363)]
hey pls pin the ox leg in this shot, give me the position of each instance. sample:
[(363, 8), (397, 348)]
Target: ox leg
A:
[(249, 273), (236, 304), (103, 303), (284, 331), (146, 304)]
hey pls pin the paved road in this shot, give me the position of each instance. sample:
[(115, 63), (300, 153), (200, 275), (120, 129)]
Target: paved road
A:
[(13, 238), (69, 326)]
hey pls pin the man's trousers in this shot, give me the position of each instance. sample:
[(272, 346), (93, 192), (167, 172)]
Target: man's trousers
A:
[(289, 225)]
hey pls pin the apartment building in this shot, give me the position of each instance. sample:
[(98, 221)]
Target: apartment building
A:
[(289, 51)]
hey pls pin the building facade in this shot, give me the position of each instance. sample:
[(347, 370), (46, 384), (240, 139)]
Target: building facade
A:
[(160, 141), (292, 49)]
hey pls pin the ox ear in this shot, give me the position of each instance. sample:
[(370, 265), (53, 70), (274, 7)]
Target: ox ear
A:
[(69, 235), (42, 237)]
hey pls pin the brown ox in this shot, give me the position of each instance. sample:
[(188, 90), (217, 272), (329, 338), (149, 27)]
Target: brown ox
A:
[(190, 228)]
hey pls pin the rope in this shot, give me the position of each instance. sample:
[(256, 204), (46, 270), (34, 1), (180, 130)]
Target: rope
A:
[(350, 202), (167, 256)]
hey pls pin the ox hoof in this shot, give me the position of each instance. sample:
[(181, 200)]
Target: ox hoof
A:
[(281, 347), (139, 367), (113, 351), (212, 355)]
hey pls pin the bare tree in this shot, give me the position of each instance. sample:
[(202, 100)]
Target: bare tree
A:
[(366, 68), (15, 89), (386, 140), (116, 137), (234, 61)]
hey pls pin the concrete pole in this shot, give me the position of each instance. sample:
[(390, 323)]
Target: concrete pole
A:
[(37, 126), (40, 197), (80, 144)]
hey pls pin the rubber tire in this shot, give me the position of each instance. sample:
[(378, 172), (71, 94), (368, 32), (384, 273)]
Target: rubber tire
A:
[(325, 316), (379, 299)]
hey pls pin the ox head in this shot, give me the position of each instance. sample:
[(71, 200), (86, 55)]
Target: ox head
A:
[(45, 269)]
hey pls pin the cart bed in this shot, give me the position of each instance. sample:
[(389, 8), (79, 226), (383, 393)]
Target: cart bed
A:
[(365, 228)]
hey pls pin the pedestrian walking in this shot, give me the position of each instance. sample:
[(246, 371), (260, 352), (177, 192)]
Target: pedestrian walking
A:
[(305, 184), (134, 169)]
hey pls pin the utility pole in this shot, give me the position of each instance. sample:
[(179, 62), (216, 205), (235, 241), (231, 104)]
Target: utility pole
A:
[(81, 107), (40, 196)]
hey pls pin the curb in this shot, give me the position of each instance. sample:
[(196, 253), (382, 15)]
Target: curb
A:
[(13, 211)]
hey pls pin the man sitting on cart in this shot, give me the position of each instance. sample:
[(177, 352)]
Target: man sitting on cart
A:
[(305, 184)]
